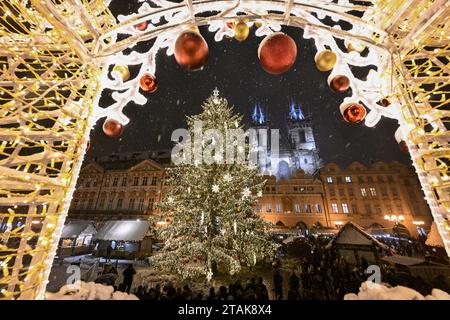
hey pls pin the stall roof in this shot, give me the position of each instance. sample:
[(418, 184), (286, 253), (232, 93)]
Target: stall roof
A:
[(124, 230), (351, 233), (403, 260), (76, 228)]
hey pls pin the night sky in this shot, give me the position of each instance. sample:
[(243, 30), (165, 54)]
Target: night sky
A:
[(234, 69)]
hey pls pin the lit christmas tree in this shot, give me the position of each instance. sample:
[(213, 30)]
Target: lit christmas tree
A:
[(211, 205)]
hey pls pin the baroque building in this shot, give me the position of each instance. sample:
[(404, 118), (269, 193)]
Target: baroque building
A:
[(129, 186)]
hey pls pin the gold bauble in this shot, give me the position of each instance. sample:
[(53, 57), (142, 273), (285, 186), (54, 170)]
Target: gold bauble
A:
[(123, 71), (325, 60), (194, 28), (258, 24), (241, 31), (356, 46)]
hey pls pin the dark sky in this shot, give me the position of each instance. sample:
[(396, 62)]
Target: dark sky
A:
[(234, 69)]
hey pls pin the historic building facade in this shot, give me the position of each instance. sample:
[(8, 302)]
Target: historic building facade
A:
[(131, 186), (301, 192)]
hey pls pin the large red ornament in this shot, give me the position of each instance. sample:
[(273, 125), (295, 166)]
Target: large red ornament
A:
[(340, 84), (277, 53), (148, 83), (191, 50), (353, 112), (112, 128), (141, 26)]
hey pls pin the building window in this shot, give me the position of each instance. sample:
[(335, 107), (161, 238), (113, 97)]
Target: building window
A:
[(107, 182), (91, 204), (339, 179), (341, 192), (308, 208), (335, 207), (88, 184), (363, 192), (350, 192), (101, 203), (354, 208), (298, 208), (131, 204), (269, 207), (305, 160), (258, 208), (110, 202), (373, 192), (115, 181), (136, 181), (344, 208), (141, 204), (318, 208), (390, 179), (394, 191), (278, 207), (380, 179), (151, 201), (348, 179), (154, 180), (95, 183), (295, 189), (368, 208), (119, 203), (330, 179), (124, 181), (332, 192), (383, 192), (377, 208), (369, 179), (144, 181), (360, 179)]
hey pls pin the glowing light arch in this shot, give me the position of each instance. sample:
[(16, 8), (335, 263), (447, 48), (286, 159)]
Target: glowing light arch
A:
[(51, 59)]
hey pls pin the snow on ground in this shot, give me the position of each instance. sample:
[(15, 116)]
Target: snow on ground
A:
[(374, 291), (88, 291)]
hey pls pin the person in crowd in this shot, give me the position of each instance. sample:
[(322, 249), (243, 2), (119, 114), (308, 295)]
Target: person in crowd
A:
[(278, 285), (128, 275)]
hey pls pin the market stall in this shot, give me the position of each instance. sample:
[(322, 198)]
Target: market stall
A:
[(353, 243), (76, 238), (125, 239)]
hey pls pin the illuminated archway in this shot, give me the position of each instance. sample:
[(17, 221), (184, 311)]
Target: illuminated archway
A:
[(55, 60)]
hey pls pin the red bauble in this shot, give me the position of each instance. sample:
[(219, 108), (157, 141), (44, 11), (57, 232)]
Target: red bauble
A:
[(112, 128), (230, 24), (141, 26), (403, 146), (384, 102), (191, 50), (277, 53), (340, 84), (148, 83), (353, 112)]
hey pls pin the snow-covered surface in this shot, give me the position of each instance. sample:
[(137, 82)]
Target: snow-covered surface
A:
[(373, 291), (88, 291), (434, 239), (125, 230), (403, 260), (75, 228)]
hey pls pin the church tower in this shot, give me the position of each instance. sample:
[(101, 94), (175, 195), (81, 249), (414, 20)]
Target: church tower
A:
[(304, 151), (257, 142)]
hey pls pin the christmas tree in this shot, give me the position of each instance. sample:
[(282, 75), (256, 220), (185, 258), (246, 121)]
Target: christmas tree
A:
[(210, 204)]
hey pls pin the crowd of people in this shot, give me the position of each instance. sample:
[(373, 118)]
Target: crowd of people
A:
[(252, 290), (321, 275)]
